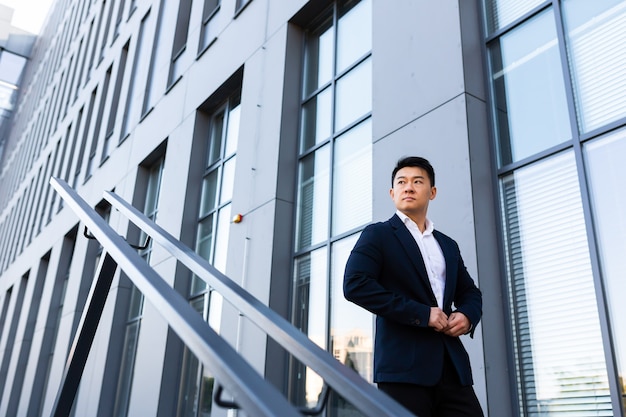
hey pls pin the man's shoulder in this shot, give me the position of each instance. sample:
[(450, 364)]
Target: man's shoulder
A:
[(391, 223)]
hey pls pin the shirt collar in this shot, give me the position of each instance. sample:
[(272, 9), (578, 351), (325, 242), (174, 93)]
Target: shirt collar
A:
[(430, 226)]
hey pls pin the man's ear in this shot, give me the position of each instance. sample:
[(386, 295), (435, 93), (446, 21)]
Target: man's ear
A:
[(391, 193), (433, 192)]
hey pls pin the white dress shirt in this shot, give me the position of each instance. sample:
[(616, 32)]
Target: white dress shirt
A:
[(431, 253)]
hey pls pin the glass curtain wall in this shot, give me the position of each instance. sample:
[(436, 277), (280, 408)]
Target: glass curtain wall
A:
[(334, 200), (196, 387), (558, 86)]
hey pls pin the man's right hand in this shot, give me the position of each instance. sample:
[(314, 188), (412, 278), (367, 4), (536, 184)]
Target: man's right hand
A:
[(438, 320)]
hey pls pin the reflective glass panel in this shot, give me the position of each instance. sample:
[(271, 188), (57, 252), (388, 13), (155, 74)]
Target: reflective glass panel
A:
[(354, 95), (215, 310), (605, 163), (558, 344), (354, 34), (316, 119), (122, 396), (215, 139), (188, 391), (352, 179), (313, 195), (152, 191), (531, 109), (318, 58), (228, 181), (596, 41), (205, 238), (311, 314), (232, 132), (221, 239), (209, 192), (503, 12), (352, 327)]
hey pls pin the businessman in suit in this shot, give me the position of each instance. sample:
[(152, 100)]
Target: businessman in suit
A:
[(412, 277)]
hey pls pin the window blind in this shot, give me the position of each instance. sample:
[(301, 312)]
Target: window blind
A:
[(502, 12), (558, 348), (596, 41)]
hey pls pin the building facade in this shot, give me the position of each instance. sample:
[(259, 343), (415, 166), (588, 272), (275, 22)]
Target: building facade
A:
[(292, 113)]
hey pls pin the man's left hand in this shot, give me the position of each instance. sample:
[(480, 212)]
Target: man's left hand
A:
[(458, 324)]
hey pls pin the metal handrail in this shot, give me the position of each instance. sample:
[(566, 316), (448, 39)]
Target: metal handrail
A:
[(253, 393), (343, 380)]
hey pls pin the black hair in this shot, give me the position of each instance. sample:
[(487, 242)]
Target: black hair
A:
[(414, 161)]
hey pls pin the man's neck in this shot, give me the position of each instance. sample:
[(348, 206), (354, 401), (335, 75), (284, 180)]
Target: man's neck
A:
[(418, 218)]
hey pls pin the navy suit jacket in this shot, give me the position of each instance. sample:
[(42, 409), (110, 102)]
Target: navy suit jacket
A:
[(386, 275)]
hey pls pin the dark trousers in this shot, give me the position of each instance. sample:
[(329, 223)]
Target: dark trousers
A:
[(446, 399)]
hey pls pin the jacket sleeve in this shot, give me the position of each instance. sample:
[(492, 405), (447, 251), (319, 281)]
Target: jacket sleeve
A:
[(467, 297), (363, 285)]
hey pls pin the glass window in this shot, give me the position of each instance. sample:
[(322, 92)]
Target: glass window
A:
[(196, 388), (240, 4), (500, 13), (605, 160), (530, 104), (196, 385), (311, 286), (316, 119), (142, 52), (352, 327), (121, 71), (180, 39), (156, 80), (318, 57), (334, 182), (354, 34), (209, 29), (352, 100), (352, 179), (559, 352), (136, 301), (596, 43), (313, 198), (96, 131)]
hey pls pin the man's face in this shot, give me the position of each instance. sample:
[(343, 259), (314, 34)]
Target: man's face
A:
[(411, 190)]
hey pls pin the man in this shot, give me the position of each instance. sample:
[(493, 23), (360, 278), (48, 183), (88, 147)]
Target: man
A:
[(414, 279)]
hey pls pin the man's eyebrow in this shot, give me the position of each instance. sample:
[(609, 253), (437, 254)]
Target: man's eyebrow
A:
[(403, 177)]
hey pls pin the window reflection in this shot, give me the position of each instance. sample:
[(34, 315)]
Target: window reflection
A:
[(316, 120), (351, 329), (334, 182), (314, 181), (354, 34), (548, 266), (605, 160), (318, 57), (530, 104), (310, 317), (353, 100), (503, 12), (597, 72), (352, 179)]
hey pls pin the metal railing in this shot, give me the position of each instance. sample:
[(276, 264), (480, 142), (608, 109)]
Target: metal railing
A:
[(249, 390)]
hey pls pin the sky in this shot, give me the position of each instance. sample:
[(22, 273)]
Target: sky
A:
[(29, 15)]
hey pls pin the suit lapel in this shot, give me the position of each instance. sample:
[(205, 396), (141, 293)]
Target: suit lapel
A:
[(411, 249)]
